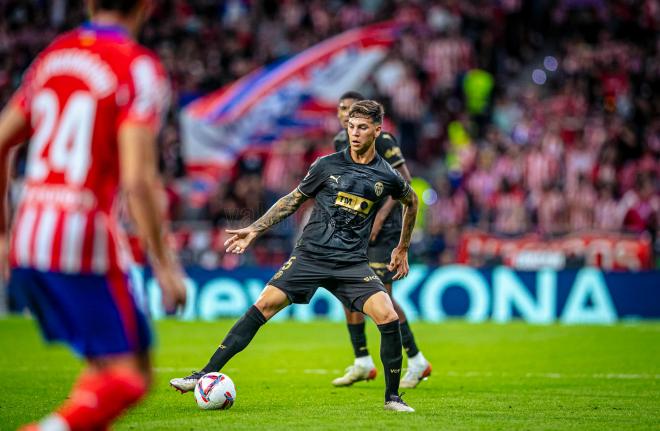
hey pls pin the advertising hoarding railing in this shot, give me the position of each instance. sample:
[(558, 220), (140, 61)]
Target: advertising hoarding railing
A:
[(609, 251), (585, 296)]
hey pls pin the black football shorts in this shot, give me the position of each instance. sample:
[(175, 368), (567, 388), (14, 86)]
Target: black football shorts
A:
[(301, 275), (380, 254)]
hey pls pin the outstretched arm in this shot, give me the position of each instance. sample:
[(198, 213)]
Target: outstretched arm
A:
[(400, 253), (282, 209)]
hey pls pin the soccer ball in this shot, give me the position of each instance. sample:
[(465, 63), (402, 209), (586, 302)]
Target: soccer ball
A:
[(215, 391)]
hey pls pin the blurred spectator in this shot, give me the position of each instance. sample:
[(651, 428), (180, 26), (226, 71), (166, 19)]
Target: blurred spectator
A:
[(408, 106), (509, 215), (607, 210), (552, 211), (445, 218), (642, 207), (581, 201)]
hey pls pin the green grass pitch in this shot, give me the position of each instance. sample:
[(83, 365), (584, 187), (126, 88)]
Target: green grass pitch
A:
[(486, 376)]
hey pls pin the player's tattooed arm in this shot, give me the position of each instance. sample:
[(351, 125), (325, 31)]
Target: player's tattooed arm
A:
[(399, 260), (241, 238), (409, 216), (282, 209)]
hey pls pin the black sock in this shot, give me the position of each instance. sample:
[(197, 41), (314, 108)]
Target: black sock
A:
[(408, 340), (237, 339), (358, 339), (390, 355)]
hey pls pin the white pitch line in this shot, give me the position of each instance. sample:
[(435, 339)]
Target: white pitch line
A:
[(317, 371)]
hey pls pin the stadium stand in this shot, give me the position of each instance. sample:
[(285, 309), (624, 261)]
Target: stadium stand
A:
[(518, 118)]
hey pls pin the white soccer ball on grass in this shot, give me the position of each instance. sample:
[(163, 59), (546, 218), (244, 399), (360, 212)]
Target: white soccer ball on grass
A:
[(215, 391)]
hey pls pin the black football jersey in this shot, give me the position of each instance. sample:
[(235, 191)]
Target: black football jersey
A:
[(388, 148), (348, 195)]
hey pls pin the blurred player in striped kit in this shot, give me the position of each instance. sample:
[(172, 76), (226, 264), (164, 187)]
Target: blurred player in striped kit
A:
[(91, 106)]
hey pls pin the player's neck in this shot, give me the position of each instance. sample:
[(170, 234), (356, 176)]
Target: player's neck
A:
[(108, 18), (364, 158)]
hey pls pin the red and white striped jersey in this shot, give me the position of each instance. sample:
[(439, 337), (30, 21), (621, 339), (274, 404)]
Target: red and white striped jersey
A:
[(76, 95), (540, 168), (407, 99), (445, 58)]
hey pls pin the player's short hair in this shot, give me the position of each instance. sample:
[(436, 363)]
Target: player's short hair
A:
[(352, 95), (367, 109), (122, 6)]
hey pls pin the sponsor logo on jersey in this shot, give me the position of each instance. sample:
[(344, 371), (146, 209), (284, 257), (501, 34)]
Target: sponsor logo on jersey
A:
[(371, 278), (378, 188), (335, 177), (354, 203)]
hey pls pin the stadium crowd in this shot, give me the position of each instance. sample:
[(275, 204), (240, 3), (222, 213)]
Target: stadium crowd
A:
[(515, 116)]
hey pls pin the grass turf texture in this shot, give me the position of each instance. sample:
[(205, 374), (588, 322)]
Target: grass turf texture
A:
[(486, 376)]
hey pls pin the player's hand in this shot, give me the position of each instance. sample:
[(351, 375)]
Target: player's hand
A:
[(171, 281), (375, 229), (399, 263), (4, 257), (240, 239)]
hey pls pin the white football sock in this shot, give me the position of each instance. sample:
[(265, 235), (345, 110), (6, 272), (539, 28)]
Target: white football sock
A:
[(365, 361)]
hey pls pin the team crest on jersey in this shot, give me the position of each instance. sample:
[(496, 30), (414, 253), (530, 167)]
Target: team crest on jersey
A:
[(378, 188)]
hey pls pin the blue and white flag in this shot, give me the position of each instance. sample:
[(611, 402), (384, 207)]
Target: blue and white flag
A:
[(288, 98)]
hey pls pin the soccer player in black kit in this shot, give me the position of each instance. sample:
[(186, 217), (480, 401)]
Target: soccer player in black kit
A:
[(348, 187), (384, 238)]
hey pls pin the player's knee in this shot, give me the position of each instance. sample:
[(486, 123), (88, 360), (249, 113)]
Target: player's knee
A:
[(385, 315), (271, 301), (348, 313), (268, 307), (389, 316), (354, 317)]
